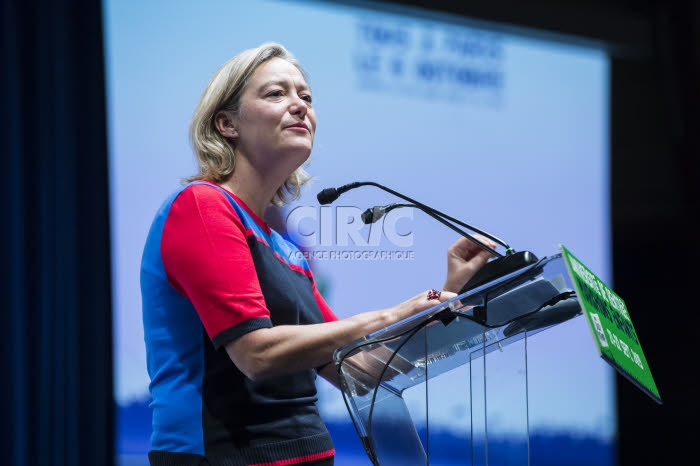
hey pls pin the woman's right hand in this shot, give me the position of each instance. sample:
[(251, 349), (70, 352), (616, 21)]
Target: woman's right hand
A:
[(421, 302)]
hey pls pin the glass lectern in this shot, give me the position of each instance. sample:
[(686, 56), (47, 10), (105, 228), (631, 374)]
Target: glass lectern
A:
[(462, 355)]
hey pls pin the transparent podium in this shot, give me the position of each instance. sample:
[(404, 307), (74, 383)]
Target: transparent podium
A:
[(454, 361)]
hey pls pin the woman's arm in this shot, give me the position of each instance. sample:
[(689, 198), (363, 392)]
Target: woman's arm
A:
[(283, 349)]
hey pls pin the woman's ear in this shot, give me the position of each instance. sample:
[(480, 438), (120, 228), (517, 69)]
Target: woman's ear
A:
[(225, 125)]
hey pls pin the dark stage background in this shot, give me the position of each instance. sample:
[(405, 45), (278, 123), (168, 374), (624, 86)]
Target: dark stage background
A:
[(55, 244)]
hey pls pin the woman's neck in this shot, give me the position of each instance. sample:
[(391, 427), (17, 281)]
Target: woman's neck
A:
[(255, 190)]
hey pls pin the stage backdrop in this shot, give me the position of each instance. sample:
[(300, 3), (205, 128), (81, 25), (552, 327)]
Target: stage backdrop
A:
[(506, 130)]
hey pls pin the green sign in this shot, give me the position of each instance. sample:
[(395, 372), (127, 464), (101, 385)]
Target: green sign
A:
[(611, 326)]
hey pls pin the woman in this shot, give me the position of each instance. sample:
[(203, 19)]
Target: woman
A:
[(236, 330)]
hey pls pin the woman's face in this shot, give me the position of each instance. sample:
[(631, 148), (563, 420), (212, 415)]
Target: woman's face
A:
[(276, 123)]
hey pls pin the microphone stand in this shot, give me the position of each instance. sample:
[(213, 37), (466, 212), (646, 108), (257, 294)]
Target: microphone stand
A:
[(502, 265)]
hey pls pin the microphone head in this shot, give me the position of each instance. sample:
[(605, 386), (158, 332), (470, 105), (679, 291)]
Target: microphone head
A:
[(327, 196), (372, 214)]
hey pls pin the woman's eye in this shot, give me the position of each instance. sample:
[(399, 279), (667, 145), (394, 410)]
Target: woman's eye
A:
[(275, 93), (307, 98)]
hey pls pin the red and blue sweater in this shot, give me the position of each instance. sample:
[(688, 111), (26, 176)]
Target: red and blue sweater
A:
[(211, 272)]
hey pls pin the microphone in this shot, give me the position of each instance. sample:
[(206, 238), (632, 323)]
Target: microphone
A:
[(373, 214), (329, 195), (502, 265)]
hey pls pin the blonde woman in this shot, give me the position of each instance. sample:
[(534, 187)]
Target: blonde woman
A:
[(236, 330)]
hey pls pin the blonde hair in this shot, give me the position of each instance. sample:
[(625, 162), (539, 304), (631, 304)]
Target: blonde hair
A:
[(216, 154)]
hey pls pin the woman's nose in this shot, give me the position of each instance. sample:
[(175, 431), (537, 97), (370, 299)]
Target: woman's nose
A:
[(298, 106)]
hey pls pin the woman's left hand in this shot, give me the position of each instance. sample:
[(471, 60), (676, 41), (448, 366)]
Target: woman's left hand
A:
[(464, 259)]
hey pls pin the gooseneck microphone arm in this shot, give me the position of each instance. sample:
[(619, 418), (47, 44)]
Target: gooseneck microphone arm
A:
[(329, 195), (502, 265), (373, 214)]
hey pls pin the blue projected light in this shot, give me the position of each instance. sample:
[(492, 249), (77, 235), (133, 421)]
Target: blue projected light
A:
[(508, 133)]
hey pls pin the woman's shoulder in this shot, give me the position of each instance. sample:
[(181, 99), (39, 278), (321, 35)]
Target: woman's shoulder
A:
[(203, 188), (202, 192), (195, 198)]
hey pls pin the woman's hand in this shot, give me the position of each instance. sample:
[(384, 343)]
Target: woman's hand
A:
[(419, 303), (464, 259)]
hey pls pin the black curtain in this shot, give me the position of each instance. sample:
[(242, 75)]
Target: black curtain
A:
[(55, 243), (656, 194)]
